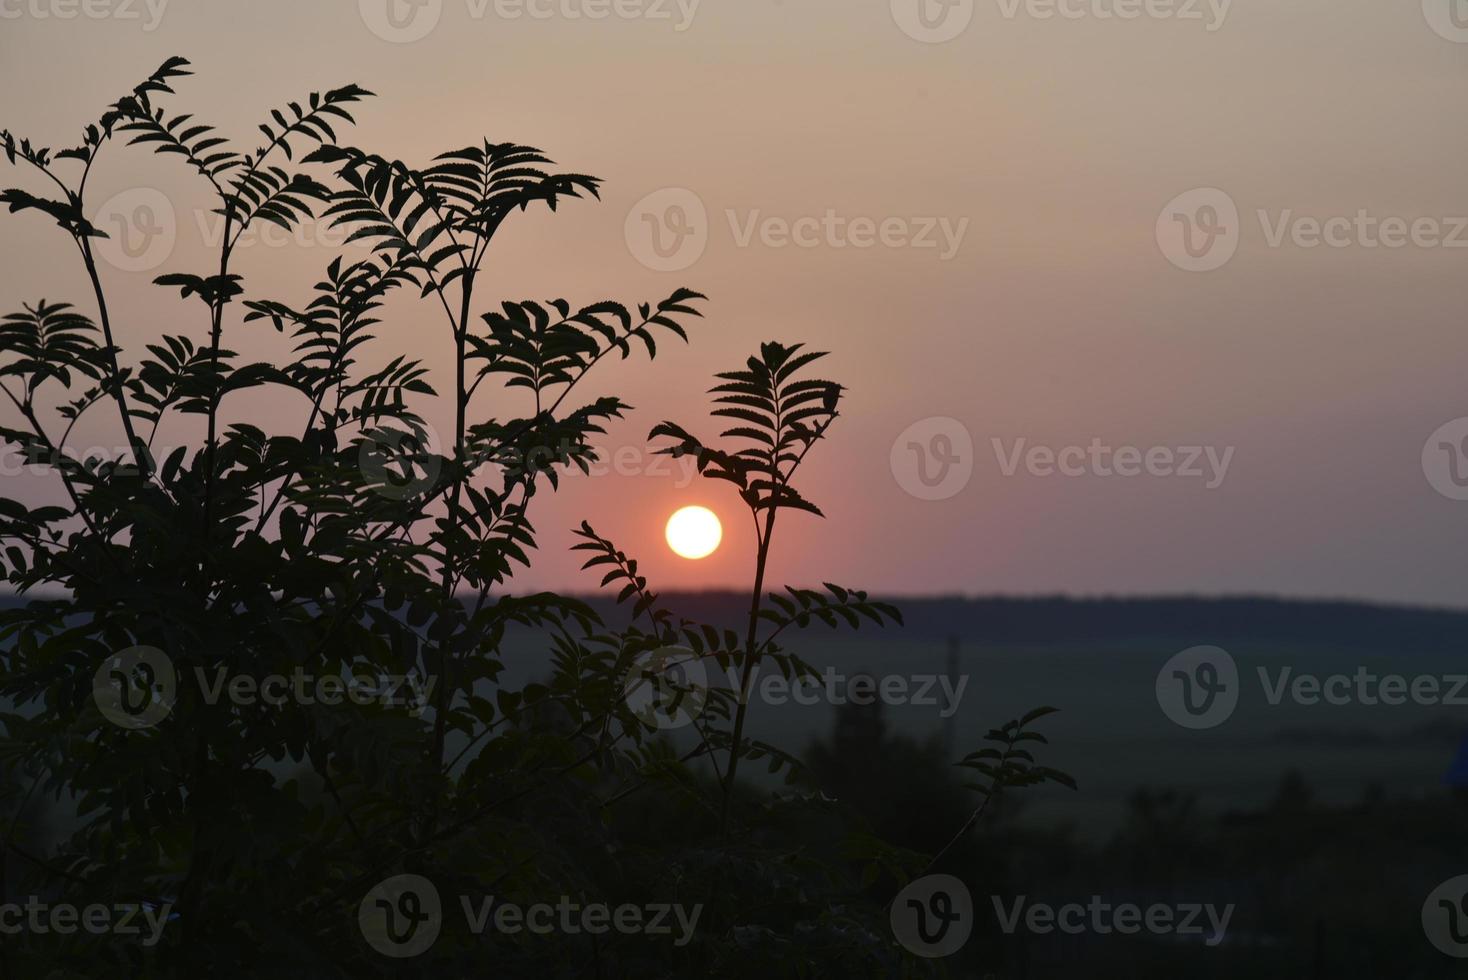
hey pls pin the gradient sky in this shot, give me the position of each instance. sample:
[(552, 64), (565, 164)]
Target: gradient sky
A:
[(1059, 319)]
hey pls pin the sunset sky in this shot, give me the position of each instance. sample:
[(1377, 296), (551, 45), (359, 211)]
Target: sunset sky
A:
[(1037, 155)]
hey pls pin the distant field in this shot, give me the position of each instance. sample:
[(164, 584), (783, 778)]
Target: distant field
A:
[(1098, 661), (1112, 735)]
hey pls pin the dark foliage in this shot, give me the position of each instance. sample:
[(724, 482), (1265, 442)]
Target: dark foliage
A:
[(355, 547)]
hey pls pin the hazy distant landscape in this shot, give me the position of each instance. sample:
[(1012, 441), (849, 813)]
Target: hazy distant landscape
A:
[(1097, 660), (1321, 825)]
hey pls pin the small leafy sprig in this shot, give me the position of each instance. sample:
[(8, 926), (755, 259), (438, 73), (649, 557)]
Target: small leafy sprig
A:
[(1006, 766), (1010, 765)]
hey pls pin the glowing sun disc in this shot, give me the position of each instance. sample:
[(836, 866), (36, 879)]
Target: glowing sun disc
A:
[(694, 532)]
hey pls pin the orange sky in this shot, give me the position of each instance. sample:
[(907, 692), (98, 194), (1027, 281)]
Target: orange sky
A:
[(1036, 153)]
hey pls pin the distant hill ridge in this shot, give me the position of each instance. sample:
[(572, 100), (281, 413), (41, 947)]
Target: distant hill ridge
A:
[(1045, 620), (1099, 621)]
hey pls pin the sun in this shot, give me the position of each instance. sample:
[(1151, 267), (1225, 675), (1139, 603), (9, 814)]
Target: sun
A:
[(694, 532)]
